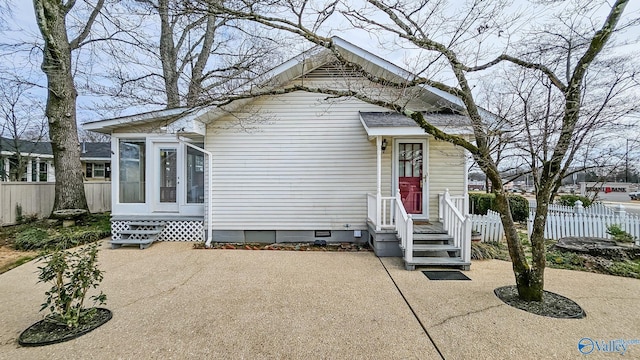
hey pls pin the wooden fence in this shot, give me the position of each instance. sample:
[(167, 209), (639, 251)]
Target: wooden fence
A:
[(37, 199), (489, 226)]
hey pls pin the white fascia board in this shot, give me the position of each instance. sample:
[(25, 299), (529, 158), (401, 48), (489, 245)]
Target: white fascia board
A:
[(110, 124), (95, 158), (24, 154)]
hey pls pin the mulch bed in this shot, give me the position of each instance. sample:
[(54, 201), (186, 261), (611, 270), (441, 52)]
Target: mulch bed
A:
[(351, 247), (552, 304), (46, 333)]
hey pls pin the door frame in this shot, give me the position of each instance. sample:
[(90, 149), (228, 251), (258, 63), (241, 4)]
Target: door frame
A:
[(425, 172), (156, 205)]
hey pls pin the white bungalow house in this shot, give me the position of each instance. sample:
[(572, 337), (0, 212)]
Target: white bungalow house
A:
[(297, 166)]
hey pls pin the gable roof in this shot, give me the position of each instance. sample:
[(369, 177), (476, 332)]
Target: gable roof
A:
[(193, 120)]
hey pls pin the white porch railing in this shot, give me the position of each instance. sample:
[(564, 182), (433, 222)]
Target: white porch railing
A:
[(381, 215), (404, 226), (457, 224)]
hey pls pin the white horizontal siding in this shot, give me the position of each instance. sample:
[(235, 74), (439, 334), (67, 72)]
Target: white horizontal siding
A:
[(446, 171), (293, 162)]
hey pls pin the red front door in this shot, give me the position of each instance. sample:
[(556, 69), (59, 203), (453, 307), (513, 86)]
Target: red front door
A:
[(410, 164)]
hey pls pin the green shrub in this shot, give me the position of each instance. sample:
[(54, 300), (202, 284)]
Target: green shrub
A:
[(570, 200), (618, 234), (481, 202), (32, 239), (92, 228), (519, 207), (72, 274), (488, 250)]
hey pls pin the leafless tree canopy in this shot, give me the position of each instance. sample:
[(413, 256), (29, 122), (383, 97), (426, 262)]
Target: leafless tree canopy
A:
[(555, 83)]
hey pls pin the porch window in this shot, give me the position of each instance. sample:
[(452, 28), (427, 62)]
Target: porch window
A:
[(195, 176), (132, 171)]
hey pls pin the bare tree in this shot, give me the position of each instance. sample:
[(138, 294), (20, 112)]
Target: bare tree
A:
[(180, 56), (463, 40), (51, 16), (22, 127)]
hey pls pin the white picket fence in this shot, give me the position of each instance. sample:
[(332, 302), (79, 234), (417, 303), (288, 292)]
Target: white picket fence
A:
[(594, 208), (583, 223), (489, 226), (563, 221)]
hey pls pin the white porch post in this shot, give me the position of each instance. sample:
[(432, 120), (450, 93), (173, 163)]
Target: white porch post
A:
[(29, 169), (378, 182)]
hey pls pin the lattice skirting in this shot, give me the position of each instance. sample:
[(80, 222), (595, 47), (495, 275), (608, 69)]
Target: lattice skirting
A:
[(178, 230)]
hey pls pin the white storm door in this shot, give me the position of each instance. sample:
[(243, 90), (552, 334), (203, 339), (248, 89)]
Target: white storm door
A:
[(167, 190)]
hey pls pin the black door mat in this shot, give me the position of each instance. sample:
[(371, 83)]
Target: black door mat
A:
[(445, 275)]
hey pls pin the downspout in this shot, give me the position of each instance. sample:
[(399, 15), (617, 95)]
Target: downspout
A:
[(209, 185)]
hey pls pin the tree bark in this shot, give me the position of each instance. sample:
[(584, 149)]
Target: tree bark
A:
[(61, 105)]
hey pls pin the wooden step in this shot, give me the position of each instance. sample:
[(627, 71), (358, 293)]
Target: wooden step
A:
[(146, 223), (437, 261), (431, 237), (140, 232), (435, 247), (143, 243)]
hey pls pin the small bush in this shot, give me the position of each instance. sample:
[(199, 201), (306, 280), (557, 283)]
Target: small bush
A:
[(570, 200), (481, 202), (618, 234), (93, 228), (72, 274), (519, 207), (32, 239), (486, 251)]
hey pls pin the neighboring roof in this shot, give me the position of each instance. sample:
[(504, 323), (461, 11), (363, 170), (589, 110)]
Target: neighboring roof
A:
[(95, 150), (25, 146), (92, 150), (395, 124)]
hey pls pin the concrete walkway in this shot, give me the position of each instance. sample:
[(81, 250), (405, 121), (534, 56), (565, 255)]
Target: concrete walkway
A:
[(170, 301)]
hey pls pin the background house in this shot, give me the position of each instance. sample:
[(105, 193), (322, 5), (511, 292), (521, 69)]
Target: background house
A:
[(32, 161)]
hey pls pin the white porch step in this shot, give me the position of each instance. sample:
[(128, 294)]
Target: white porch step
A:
[(144, 243), (435, 247), (140, 232), (436, 261), (146, 223), (431, 237)]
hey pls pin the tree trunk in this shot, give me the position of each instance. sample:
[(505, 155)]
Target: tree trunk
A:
[(529, 279), (61, 106), (168, 56)]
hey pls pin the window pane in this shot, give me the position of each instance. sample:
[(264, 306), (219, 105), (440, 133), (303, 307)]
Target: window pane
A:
[(89, 170), (98, 170), (132, 171), (43, 172), (168, 175), (195, 176)]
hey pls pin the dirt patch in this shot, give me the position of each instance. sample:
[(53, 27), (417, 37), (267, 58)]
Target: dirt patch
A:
[(10, 258)]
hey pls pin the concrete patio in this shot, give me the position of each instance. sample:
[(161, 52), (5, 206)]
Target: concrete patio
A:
[(170, 301)]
